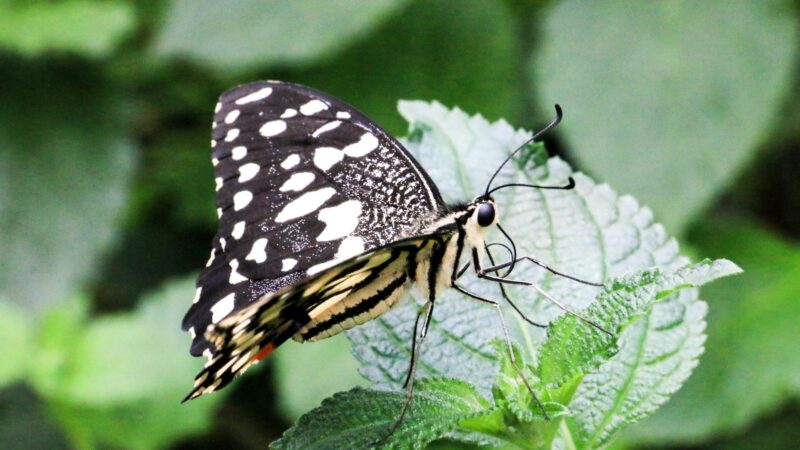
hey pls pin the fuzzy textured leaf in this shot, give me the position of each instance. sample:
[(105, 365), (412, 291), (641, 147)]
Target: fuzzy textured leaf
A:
[(751, 360), (361, 417), (590, 229)]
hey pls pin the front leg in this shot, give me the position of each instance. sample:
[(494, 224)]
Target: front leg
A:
[(495, 268), (481, 273), (507, 336)]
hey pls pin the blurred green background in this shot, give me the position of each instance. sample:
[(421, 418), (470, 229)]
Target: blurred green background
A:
[(106, 191)]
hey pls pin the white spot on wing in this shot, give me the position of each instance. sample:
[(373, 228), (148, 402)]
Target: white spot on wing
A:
[(297, 182), (255, 96), (233, 133), (235, 277), (290, 161), (232, 116), (340, 220), (192, 333), (366, 144), (326, 157), (222, 243), (242, 199), (305, 204), (239, 152), (222, 308), (219, 213), (258, 252), (214, 162), (218, 182), (350, 246), (342, 115), (211, 258), (238, 230), (248, 171), (213, 143), (272, 128), (288, 264), (327, 127), (217, 107), (290, 112), (313, 107), (197, 295)]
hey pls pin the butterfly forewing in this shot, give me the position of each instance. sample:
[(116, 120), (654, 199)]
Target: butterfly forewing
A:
[(303, 182)]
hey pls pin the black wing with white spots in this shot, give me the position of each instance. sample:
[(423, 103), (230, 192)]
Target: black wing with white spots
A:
[(303, 182)]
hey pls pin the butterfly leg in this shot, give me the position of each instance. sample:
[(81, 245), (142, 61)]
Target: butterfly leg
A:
[(416, 343), (508, 299), (507, 336), (495, 268), (482, 274)]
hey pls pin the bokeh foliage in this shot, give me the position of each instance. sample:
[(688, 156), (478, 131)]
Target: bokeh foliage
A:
[(106, 207)]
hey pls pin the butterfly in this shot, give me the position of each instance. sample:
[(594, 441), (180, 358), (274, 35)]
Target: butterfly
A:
[(325, 221)]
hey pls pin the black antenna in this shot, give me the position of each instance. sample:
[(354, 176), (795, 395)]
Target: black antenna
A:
[(570, 185), (552, 124)]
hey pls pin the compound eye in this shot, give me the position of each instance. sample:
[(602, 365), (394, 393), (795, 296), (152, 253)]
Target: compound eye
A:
[(485, 214)]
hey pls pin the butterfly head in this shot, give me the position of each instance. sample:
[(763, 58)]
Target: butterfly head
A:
[(485, 212)]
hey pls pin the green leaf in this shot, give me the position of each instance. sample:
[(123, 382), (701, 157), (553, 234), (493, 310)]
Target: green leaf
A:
[(58, 329), (250, 33), (15, 335), (306, 374), (524, 420), (64, 178), (361, 417), (133, 356), (751, 362), (682, 92), (589, 232), (92, 28), (461, 52), (574, 347), (146, 424), (657, 351), (118, 379)]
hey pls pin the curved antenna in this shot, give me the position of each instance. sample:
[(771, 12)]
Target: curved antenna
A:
[(552, 124), (570, 185)]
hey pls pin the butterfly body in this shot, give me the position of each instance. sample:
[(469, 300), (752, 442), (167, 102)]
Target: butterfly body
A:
[(325, 222)]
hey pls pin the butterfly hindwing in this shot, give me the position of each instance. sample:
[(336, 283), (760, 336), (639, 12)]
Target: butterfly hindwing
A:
[(303, 181), (252, 332)]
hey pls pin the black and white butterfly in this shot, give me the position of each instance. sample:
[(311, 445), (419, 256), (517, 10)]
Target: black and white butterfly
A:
[(325, 221)]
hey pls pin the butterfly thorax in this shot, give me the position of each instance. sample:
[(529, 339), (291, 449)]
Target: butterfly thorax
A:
[(429, 264)]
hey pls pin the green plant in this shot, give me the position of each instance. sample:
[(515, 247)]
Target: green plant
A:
[(469, 391)]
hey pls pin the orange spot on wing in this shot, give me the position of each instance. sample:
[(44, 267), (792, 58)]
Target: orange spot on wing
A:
[(264, 352)]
